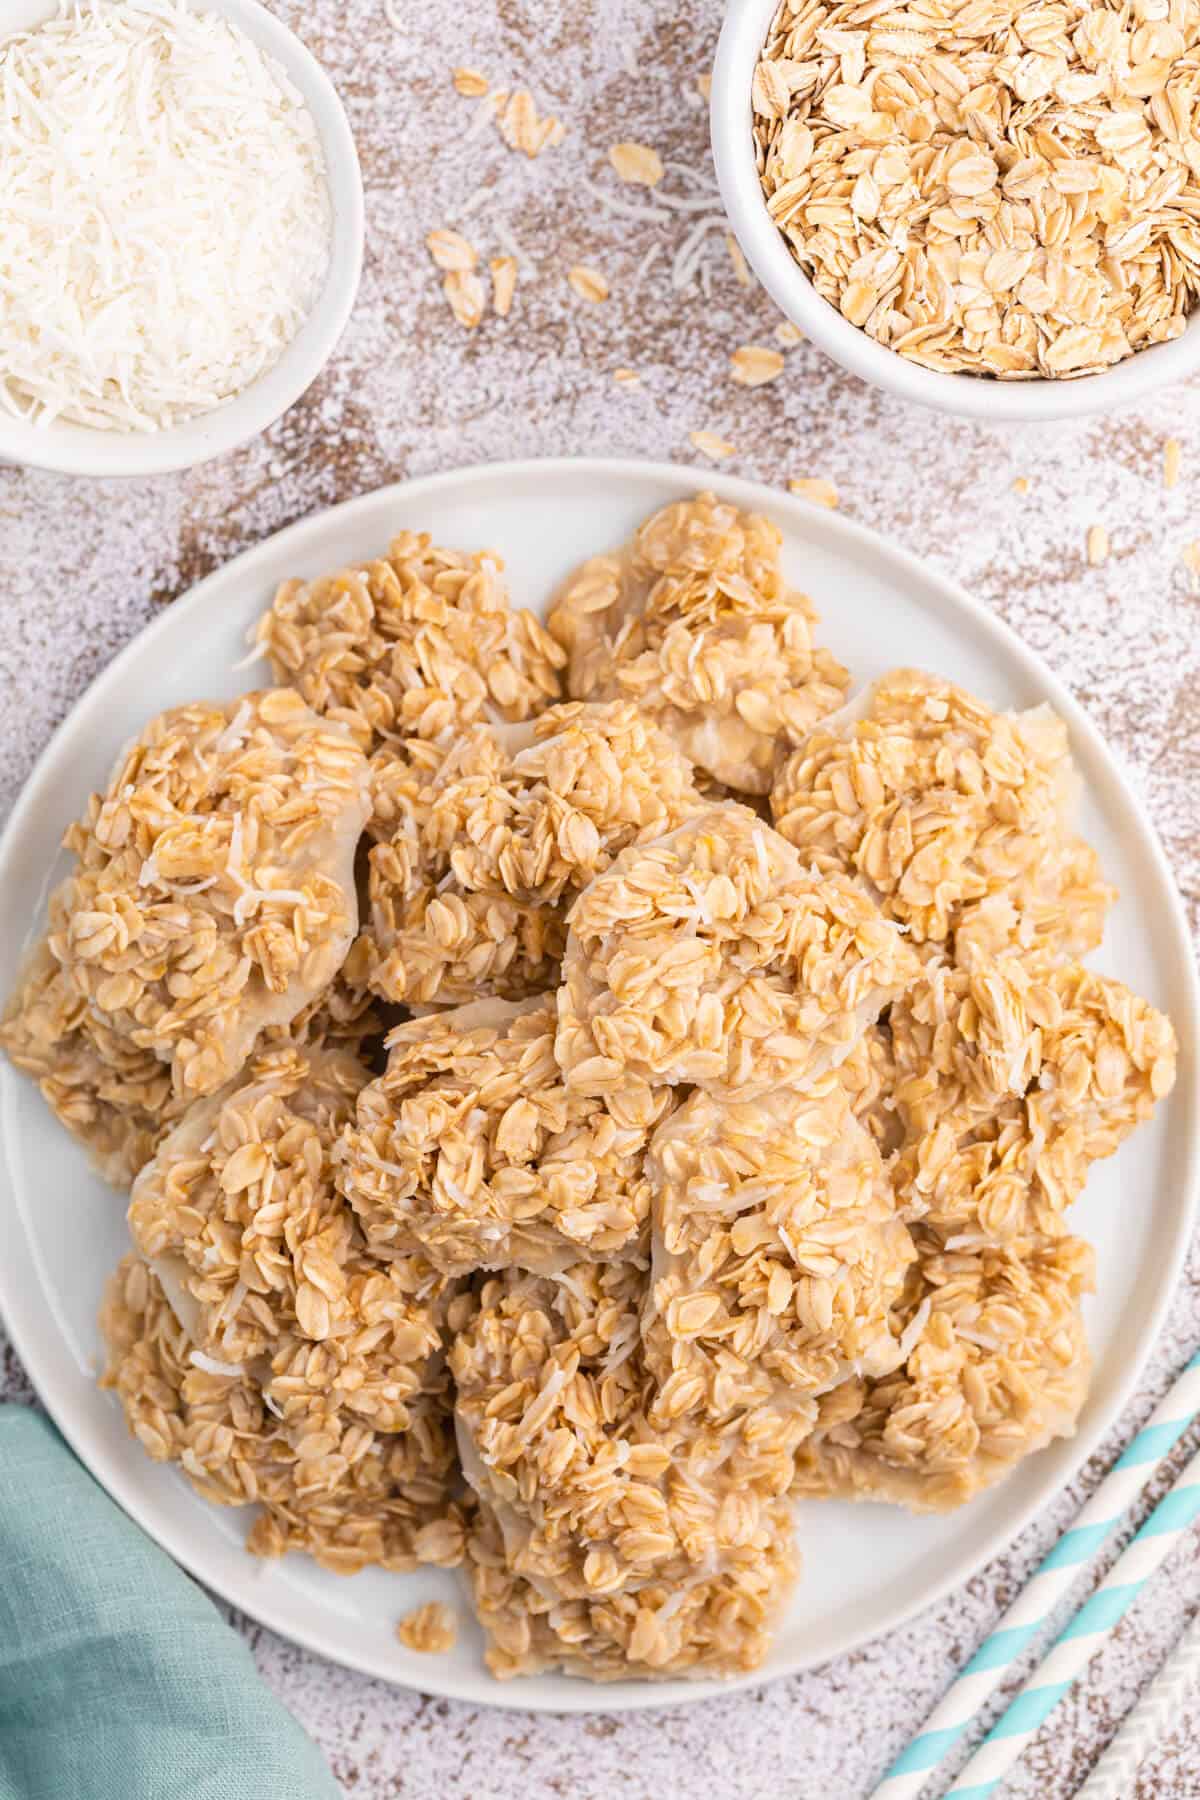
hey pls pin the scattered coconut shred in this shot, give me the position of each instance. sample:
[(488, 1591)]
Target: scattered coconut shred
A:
[(164, 243)]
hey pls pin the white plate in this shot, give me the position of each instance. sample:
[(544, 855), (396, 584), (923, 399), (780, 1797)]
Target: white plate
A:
[(61, 1231)]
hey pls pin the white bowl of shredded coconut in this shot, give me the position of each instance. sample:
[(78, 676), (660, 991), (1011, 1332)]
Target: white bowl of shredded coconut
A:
[(993, 221), (181, 230)]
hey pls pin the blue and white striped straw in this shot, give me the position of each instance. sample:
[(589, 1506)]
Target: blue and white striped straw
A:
[(1029, 1612), (1087, 1633)]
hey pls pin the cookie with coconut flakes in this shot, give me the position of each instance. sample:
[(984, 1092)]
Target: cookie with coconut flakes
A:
[(594, 1501), (470, 1150), (712, 957), (1012, 1077), (421, 641), (484, 837), (999, 1366), (278, 1434), (695, 623), (213, 896), (778, 1254), (956, 816)]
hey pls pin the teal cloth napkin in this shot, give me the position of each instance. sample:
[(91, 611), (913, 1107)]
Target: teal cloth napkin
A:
[(119, 1680)]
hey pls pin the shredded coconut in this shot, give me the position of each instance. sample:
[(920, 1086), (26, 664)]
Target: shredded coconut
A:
[(163, 244)]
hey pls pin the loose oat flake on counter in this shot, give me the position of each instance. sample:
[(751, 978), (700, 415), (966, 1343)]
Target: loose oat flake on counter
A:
[(625, 1165)]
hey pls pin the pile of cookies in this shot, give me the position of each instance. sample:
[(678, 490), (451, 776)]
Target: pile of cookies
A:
[(583, 1085)]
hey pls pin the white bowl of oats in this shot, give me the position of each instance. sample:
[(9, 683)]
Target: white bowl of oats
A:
[(1029, 256)]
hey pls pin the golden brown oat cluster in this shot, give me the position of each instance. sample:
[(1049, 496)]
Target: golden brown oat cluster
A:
[(607, 1544), (712, 957), (957, 817), (695, 623), (420, 642), (254, 1340), (327, 1483), (240, 1217), (1000, 1366), (212, 902), (472, 1150), (115, 1098), (777, 1247), (713, 1160), (483, 839), (1012, 1078)]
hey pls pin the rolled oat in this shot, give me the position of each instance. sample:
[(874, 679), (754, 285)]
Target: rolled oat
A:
[(1013, 199)]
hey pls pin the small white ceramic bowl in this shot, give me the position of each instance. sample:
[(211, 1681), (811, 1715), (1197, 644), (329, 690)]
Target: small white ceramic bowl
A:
[(78, 450), (976, 397)]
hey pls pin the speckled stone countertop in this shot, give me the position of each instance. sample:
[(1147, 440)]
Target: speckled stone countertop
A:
[(83, 565)]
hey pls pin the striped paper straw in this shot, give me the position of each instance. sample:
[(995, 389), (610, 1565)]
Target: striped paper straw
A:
[(1087, 1633), (1046, 1587), (1148, 1721)]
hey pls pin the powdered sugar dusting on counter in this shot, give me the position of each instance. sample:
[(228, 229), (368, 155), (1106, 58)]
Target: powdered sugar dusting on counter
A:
[(84, 565)]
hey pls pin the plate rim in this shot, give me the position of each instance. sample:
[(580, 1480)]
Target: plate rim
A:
[(579, 1696)]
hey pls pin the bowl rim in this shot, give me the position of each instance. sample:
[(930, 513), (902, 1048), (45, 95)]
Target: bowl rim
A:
[(70, 449), (971, 396)]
